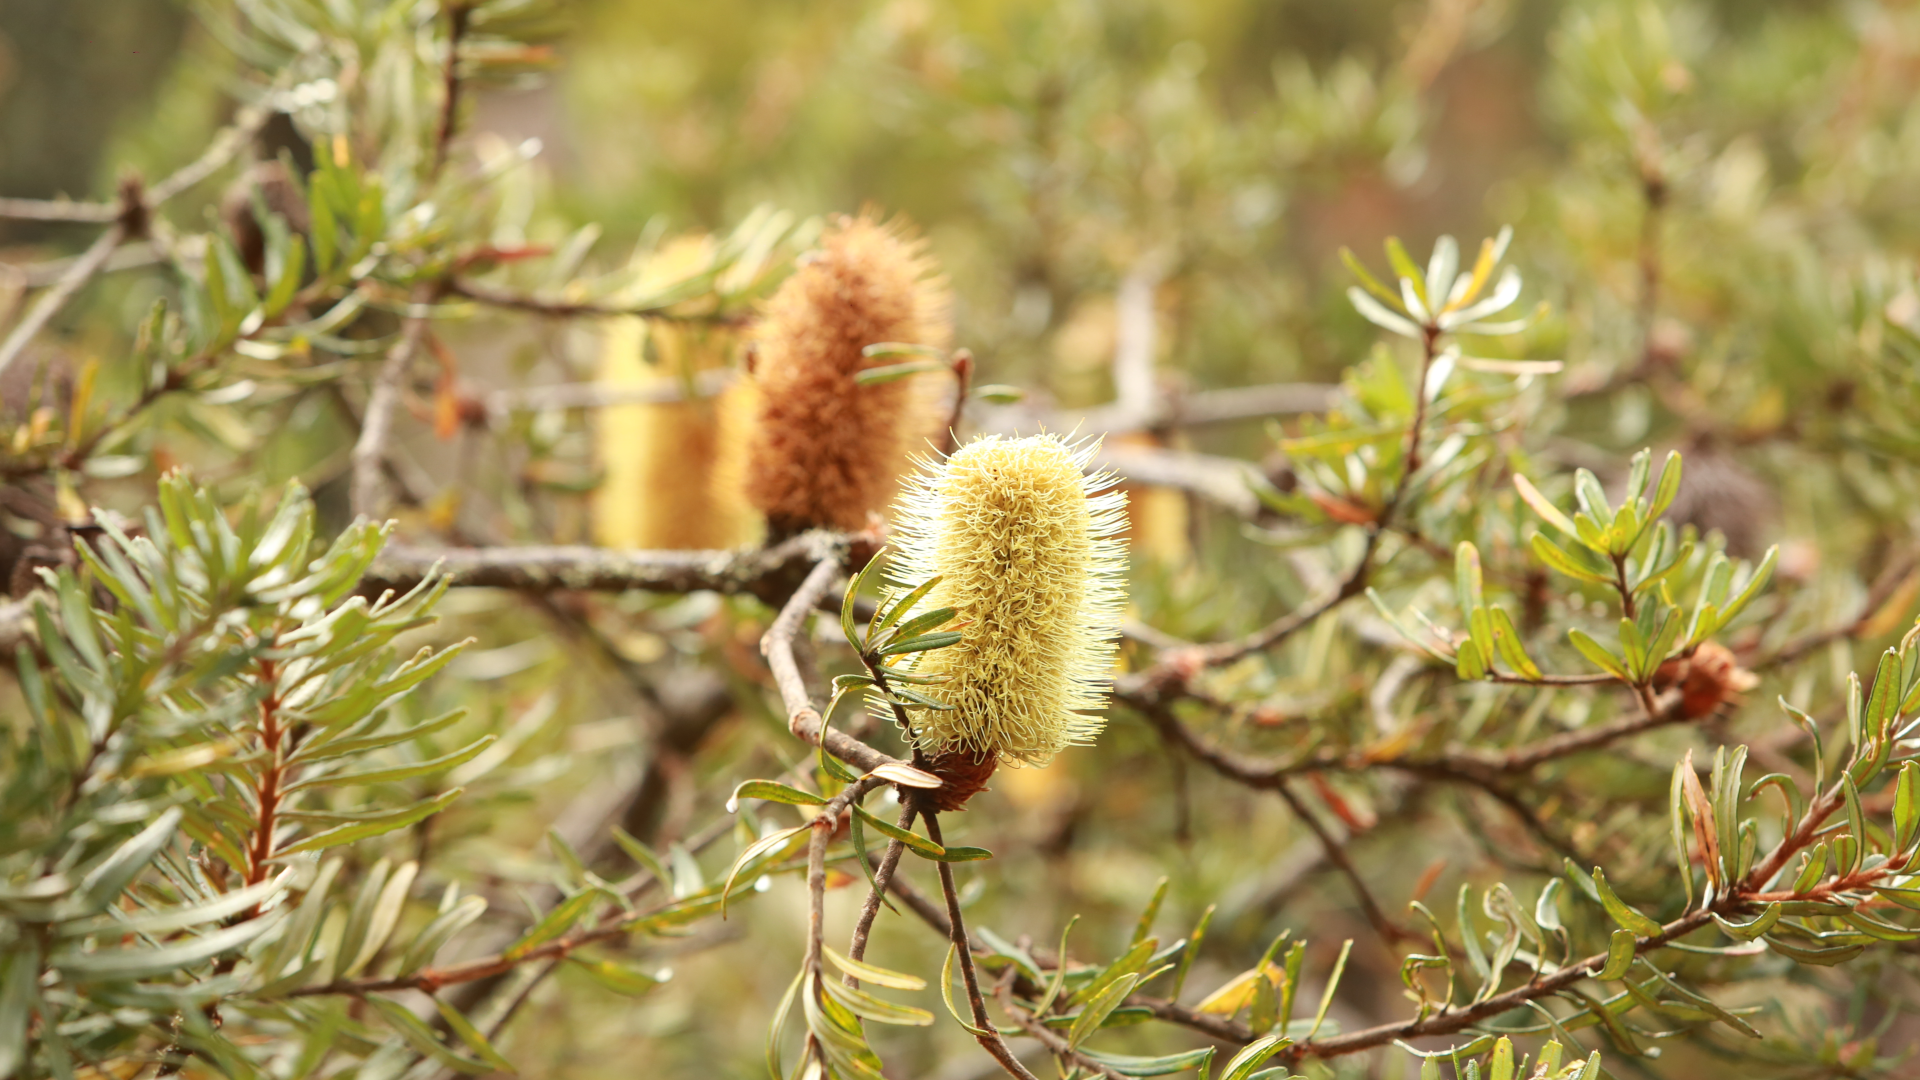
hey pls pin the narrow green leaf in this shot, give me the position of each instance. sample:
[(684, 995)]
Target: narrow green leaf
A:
[(866, 972), (1548, 512), (555, 922), (363, 830), (1059, 972), (1856, 825), (1099, 1007), (921, 624), (19, 976), (1326, 996), (1668, 487), (1677, 826), (1404, 267), (758, 854), (1906, 807), (1132, 1065), (946, 994), (421, 1037), (922, 643), (1598, 654), (1253, 1055), (399, 772), (462, 1027), (1557, 558), (119, 965), (957, 853), (884, 620), (876, 376), (1619, 956), (1366, 278), (774, 1070), (1507, 639), (1145, 925), (1187, 956), (865, 1005), (919, 844), (772, 791), (1620, 911), (1828, 957), (642, 854), (105, 882), (427, 944)]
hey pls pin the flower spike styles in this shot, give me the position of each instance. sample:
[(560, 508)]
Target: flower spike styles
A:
[(1027, 550), (827, 451)]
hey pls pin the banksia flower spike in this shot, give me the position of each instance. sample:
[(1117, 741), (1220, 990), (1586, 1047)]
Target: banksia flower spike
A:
[(1025, 548), (828, 451), (665, 484)]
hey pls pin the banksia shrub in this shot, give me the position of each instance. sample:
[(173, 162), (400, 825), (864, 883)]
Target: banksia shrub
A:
[(828, 451), (1025, 548)]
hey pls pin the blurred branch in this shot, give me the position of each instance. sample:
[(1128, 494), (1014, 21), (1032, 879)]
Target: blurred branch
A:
[(768, 573), (131, 221), (376, 422), (1166, 679), (1878, 596), (1166, 410), (16, 623), (598, 395), (92, 213), (569, 309), (1470, 765), (777, 646), (224, 146), (133, 256), (1135, 334), (1390, 932), (459, 14), (1228, 483)]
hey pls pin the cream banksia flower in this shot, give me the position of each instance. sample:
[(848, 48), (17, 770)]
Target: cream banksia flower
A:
[(1025, 546)]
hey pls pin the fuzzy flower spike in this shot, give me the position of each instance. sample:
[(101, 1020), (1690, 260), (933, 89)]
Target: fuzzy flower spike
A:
[(1027, 550)]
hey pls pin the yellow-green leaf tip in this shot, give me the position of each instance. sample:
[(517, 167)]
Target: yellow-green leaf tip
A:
[(1028, 552)]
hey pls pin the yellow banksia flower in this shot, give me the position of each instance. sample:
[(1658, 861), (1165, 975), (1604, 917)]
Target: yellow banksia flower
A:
[(1026, 548), (828, 451), (662, 483)]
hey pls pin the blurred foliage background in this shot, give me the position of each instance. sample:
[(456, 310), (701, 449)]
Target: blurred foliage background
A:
[(1717, 206)]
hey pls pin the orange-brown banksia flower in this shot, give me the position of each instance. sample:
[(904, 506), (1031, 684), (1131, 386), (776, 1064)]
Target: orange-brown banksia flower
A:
[(828, 451), (1027, 552)]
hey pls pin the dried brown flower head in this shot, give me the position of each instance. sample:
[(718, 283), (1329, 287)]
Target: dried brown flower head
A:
[(828, 451), (1709, 678)]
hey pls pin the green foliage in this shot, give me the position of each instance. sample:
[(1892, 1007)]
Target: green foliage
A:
[(1617, 480)]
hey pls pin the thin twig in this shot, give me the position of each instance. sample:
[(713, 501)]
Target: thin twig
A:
[(459, 13), (802, 718), (984, 1031), (50, 302), (568, 309), (90, 213), (377, 421), (131, 256), (882, 875), (224, 146), (596, 395), (1390, 932)]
